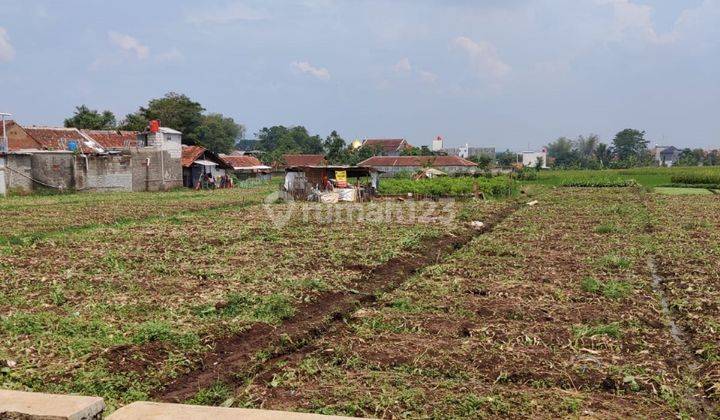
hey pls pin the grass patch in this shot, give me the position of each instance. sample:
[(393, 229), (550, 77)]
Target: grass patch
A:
[(217, 394), (682, 191), (610, 289), (586, 331)]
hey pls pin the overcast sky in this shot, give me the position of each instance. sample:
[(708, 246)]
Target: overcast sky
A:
[(504, 73)]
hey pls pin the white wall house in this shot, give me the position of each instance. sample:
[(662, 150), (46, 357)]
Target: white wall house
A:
[(530, 159)]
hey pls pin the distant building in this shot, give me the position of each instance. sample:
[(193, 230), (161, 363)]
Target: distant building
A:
[(530, 159), (391, 165), (437, 144), (666, 155), (467, 151), (65, 158), (198, 161), (246, 167), (387, 147), (302, 160)]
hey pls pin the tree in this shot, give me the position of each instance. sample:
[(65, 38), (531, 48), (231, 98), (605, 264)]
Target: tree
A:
[(586, 146), (506, 158), (218, 133), (279, 140), (417, 151), (483, 161), (603, 154), (630, 147), (335, 148), (563, 151), (91, 119), (712, 158), (174, 110), (134, 122)]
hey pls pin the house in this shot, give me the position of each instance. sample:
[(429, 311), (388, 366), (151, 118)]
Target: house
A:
[(391, 165), (89, 160), (302, 160), (667, 155), (113, 139), (531, 159), (467, 151), (387, 147), (245, 167), (330, 183), (198, 161), (18, 138)]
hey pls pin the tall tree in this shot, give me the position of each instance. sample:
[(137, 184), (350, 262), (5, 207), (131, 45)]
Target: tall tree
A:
[(563, 151), (283, 139), (603, 154), (586, 146), (335, 148), (630, 146), (91, 119), (174, 110), (218, 133)]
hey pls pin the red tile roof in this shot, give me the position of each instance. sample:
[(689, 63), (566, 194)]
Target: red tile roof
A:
[(190, 154), (241, 161), (387, 145), (18, 139), (58, 138), (304, 160), (113, 139), (434, 161)]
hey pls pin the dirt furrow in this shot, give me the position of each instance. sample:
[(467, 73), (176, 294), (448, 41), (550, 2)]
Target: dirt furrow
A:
[(235, 358)]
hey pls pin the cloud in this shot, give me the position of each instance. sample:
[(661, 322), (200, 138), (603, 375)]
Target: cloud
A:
[(130, 44), (307, 68), (7, 52), (635, 20), (407, 69), (231, 12), (402, 66), (170, 55), (484, 57), (428, 76)]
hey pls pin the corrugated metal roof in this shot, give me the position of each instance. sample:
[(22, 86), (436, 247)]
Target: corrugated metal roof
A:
[(240, 162)]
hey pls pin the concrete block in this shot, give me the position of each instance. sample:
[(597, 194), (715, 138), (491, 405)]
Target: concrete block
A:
[(36, 405), (161, 411)]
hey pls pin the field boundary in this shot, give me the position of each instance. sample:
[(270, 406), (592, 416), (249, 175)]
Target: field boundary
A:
[(239, 357)]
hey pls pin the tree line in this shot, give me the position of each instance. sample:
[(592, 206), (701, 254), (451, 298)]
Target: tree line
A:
[(628, 149), (213, 131)]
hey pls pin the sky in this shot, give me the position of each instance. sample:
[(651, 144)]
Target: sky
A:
[(504, 73)]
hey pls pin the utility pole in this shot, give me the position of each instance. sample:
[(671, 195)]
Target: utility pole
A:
[(6, 146)]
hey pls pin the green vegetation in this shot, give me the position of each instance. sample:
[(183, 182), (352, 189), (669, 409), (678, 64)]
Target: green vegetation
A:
[(611, 289), (496, 187), (599, 182)]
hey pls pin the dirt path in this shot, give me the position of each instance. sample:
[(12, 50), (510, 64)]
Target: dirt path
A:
[(235, 358)]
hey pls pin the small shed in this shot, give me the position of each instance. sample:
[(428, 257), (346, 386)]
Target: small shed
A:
[(197, 162), (350, 183), (245, 167)]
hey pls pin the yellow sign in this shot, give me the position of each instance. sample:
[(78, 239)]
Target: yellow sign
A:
[(341, 176)]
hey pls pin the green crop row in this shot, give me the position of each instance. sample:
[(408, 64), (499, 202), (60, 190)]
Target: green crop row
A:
[(450, 187), (709, 177), (599, 182)]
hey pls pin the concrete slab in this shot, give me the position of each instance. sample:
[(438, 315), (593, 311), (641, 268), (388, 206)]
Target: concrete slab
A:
[(36, 405), (161, 411)]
